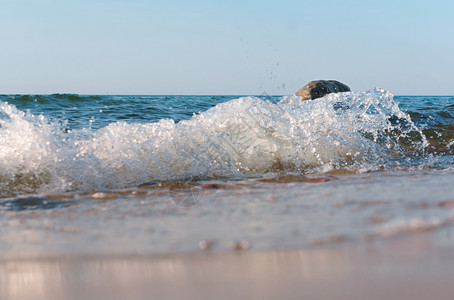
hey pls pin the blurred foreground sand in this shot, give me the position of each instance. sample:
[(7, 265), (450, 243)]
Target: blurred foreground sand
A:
[(409, 268)]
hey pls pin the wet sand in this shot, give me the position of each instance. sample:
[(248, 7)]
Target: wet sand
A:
[(382, 235), (405, 268)]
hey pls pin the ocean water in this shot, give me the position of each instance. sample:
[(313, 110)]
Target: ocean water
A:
[(163, 174)]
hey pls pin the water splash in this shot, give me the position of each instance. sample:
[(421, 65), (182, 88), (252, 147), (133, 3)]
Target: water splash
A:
[(247, 136)]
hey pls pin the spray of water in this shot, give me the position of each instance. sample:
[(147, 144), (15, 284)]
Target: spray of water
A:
[(243, 137)]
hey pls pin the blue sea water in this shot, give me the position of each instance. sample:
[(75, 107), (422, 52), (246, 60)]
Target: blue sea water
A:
[(102, 110)]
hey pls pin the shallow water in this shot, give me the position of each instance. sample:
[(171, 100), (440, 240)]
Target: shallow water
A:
[(319, 210), (174, 174)]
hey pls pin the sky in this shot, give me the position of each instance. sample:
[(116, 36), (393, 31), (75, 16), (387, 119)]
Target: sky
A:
[(225, 47)]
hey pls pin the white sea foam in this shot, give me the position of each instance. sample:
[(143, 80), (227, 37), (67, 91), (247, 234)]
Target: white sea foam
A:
[(242, 137)]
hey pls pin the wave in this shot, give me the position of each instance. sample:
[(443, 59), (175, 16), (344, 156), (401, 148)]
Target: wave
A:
[(247, 136)]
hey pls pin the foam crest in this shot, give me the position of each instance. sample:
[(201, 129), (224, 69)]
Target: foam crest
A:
[(243, 137)]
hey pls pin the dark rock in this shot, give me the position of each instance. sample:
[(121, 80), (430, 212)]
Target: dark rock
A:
[(319, 88)]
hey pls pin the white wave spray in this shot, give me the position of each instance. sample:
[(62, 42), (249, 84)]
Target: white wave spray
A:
[(243, 137)]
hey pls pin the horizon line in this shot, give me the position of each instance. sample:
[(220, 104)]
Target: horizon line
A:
[(239, 94)]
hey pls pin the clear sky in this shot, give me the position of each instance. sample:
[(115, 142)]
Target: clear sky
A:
[(225, 47)]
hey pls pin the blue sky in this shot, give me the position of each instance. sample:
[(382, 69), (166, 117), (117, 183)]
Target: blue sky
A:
[(228, 47)]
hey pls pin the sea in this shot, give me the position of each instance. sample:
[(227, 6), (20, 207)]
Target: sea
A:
[(126, 174)]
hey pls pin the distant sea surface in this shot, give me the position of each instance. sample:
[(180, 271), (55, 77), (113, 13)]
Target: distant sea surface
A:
[(164, 174)]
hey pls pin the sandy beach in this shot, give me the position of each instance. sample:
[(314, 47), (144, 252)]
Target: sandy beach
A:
[(243, 240), (410, 268)]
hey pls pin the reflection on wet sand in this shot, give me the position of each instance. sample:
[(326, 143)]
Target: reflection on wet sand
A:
[(407, 269)]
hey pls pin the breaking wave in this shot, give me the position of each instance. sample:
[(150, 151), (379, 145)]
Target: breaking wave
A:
[(247, 136)]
